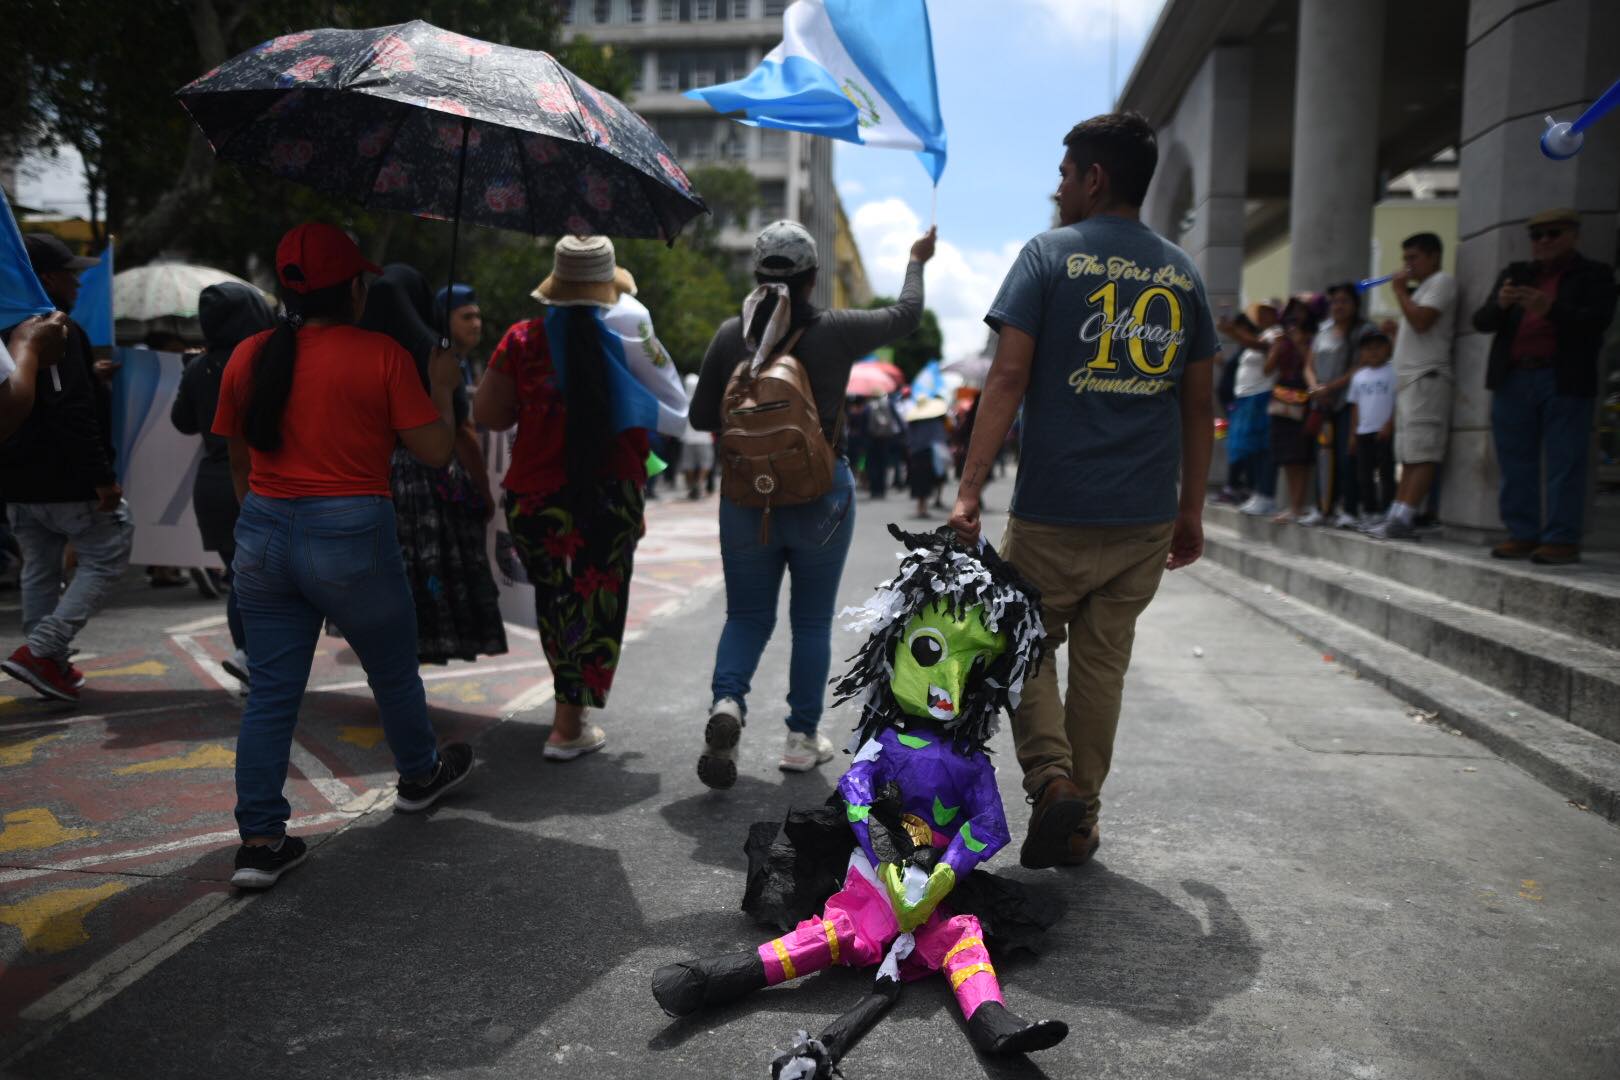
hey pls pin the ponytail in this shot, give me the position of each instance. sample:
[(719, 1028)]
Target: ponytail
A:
[(587, 397), (271, 383)]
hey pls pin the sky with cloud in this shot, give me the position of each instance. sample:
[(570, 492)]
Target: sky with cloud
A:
[(1011, 85)]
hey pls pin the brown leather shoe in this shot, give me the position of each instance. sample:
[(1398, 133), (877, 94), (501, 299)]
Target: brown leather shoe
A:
[(1083, 845), (1059, 810), (1556, 555), (1513, 549)]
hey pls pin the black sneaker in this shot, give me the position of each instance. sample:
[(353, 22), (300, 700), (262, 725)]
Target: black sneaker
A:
[(259, 867), (207, 587), (455, 764)]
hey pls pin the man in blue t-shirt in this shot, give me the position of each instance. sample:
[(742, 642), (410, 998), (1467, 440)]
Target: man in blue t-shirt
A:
[(1107, 344)]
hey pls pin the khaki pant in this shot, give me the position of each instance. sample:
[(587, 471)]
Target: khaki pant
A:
[(1094, 582)]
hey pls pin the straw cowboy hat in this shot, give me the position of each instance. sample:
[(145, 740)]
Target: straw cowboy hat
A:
[(583, 273)]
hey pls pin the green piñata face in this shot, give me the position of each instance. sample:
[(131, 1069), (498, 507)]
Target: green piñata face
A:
[(935, 657)]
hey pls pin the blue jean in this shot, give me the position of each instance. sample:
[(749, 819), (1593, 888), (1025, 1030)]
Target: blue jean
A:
[(810, 542), (1528, 417), (299, 562), (52, 615)]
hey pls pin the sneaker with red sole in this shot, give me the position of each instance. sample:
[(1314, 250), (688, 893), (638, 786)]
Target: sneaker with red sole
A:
[(45, 676)]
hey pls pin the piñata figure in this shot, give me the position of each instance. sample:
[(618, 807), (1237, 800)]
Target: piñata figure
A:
[(885, 874)]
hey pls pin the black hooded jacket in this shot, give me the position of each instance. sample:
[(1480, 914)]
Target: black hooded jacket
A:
[(230, 313)]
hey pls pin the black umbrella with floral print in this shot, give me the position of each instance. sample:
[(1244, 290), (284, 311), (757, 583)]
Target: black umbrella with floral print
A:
[(428, 122)]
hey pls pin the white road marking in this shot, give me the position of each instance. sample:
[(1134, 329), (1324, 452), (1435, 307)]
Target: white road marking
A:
[(195, 625), (94, 862)]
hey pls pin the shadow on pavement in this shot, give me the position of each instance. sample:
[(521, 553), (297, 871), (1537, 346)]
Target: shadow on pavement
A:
[(718, 821), (1132, 949), (420, 946)]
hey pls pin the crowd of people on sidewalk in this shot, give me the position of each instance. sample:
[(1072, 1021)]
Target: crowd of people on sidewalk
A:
[(345, 487), (1356, 416)]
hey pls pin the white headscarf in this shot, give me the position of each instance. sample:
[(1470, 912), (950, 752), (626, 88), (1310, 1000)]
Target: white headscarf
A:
[(776, 327)]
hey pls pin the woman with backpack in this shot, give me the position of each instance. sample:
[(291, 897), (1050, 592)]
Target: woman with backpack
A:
[(772, 384), (585, 384)]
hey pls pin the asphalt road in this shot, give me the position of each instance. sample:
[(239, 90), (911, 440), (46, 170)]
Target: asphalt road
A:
[(1297, 880)]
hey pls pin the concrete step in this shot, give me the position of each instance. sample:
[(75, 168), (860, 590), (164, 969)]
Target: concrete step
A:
[(1566, 677), (1582, 601), (1573, 761)]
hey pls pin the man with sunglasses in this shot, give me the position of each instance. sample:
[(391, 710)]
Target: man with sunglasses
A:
[(1548, 317)]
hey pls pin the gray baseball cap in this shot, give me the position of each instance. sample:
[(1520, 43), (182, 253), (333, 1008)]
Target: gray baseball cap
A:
[(783, 249)]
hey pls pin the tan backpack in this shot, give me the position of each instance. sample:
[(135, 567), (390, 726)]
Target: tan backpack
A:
[(772, 448)]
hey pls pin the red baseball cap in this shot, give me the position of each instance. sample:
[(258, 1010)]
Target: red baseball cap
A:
[(316, 255)]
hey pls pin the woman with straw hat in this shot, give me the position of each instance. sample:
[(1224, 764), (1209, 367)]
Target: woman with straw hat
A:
[(584, 384)]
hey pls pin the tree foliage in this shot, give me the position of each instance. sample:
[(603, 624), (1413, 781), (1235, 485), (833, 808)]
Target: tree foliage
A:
[(920, 346)]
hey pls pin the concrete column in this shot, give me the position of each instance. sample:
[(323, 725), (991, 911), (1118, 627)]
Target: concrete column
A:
[(822, 222), (1199, 189), (1525, 59), (1335, 166)]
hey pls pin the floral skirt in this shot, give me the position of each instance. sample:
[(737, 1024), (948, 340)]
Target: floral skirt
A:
[(442, 534), (579, 551)]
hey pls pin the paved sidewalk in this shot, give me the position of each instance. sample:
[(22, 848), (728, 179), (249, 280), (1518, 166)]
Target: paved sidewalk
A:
[(1297, 880)]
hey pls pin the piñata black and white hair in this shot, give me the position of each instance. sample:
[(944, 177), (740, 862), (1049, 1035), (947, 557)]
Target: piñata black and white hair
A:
[(937, 566)]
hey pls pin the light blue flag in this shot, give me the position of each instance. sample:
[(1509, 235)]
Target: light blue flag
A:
[(21, 294), (855, 70), (94, 308)]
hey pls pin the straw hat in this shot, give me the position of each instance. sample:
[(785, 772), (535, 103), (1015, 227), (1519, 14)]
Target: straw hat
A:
[(583, 273), (930, 408)]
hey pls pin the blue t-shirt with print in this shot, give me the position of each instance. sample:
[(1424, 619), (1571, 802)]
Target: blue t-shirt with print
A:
[(1117, 313)]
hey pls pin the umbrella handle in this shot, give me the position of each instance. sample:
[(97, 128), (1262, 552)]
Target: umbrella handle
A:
[(455, 232)]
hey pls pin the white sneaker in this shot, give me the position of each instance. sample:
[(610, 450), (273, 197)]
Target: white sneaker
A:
[(1342, 520), (1259, 506), (1312, 519), (589, 740), (717, 765), (803, 752)]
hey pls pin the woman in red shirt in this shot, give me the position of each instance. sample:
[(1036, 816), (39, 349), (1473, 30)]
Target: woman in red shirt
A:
[(575, 488), (312, 410)]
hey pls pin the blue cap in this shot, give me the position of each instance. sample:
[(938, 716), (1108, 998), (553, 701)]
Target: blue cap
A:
[(459, 295)]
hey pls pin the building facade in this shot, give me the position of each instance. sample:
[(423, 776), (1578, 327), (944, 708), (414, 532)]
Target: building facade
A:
[(1290, 118), (680, 45)]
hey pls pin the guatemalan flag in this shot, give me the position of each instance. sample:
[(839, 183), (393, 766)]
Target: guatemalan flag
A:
[(855, 70)]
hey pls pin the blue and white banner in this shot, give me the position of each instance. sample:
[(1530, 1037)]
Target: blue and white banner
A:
[(156, 464), (855, 70)]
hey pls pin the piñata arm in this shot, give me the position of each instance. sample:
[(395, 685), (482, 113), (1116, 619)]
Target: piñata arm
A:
[(856, 787), (985, 831)]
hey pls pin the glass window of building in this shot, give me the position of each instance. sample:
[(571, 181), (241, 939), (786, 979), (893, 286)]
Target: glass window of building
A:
[(773, 144), (772, 200), (638, 68), (739, 9), (774, 8), (669, 10), (703, 10), (686, 69), (603, 11), (567, 12), (638, 11)]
